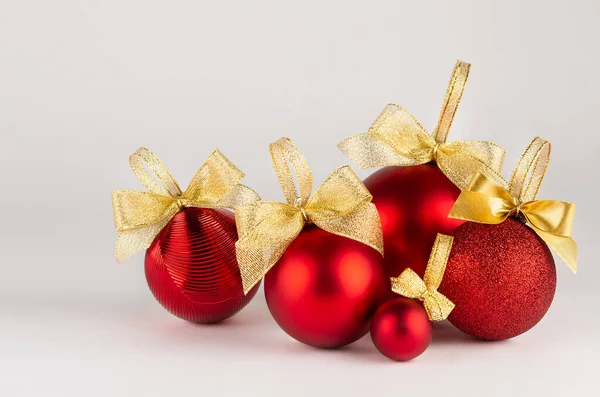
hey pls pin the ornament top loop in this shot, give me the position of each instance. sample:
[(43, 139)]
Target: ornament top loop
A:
[(456, 87), (267, 228), (140, 216), (490, 202), (410, 285)]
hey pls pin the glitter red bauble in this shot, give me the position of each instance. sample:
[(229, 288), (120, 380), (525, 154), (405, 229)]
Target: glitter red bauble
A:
[(502, 279), (325, 288), (401, 329), (413, 204), (191, 266)]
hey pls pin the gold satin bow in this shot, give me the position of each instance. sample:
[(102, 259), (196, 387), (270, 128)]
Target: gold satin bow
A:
[(486, 201), (409, 283), (140, 216), (397, 138), (341, 205)]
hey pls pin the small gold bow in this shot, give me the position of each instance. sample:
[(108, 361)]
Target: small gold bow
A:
[(140, 216), (486, 201), (409, 283), (397, 138), (341, 205)]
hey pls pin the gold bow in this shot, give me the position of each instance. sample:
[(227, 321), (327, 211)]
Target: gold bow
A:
[(397, 138), (341, 205), (140, 216), (409, 283), (486, 201)]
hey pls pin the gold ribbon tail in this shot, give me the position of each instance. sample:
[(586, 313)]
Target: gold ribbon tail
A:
[(265, 231)]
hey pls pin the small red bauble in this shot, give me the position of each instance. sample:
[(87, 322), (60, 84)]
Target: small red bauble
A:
[(401, 329), (413, 204), (191, 266), (502, 279), (325, 288)]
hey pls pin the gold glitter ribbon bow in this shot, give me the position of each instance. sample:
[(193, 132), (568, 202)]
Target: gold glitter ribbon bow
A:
[(409, 283), (486, 201), (140, 216), (397, 138), (341, 205)]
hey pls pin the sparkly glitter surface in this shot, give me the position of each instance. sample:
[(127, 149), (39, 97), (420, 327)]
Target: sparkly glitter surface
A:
[(502, 279), (191, 266)]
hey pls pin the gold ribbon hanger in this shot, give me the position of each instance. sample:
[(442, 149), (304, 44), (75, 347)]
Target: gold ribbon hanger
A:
[(341, 205), (486, 201), (410, 285), (139, 216), (397, 138)]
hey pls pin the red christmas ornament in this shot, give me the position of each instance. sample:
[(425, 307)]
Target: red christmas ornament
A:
[(401, 329), (191, 267), (413, 204), (416, 191), (325, 288), (501, 277)]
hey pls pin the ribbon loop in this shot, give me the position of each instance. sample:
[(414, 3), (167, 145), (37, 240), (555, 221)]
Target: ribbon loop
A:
[(341, 205), (144, 156), (456, 87), (284, 151), (410, 285), (487, 201), (397, 138), (140, 216), (529, 173)]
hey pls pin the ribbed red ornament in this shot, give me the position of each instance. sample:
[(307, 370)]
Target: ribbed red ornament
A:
[(191, 267), (325, 288), (401, 329), (413, 204), (502, 279)]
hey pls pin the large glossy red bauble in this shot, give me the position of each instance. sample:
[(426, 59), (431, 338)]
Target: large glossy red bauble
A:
[(502, 279), (413, 204), (400, 329), (325, 288), (191, 267)]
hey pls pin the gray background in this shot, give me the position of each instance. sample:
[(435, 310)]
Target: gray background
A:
[(83, 84)]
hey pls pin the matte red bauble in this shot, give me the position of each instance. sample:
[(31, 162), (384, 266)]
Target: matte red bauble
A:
[(502, 279), (191, 266), (325, 288), (401, 329), (413, 204)]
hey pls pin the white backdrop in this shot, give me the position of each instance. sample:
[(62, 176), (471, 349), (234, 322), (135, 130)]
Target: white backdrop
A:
[(83, 84)]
